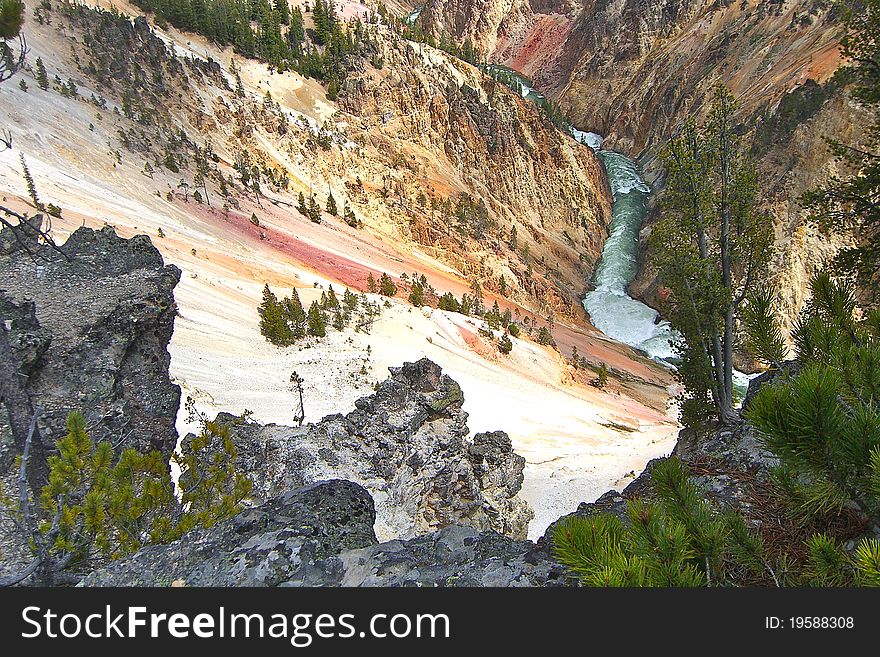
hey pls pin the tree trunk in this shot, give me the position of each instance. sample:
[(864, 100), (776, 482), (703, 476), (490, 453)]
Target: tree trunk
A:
[(21, 411), (726, 412)]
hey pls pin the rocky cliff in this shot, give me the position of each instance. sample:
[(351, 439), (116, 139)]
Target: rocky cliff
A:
[(426, 151), (90, 324), (322, 535), (423, 105), (409, 445)]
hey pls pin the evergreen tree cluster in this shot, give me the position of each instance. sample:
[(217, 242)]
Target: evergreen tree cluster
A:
[(472, 216), (286, 322), (271, 32)]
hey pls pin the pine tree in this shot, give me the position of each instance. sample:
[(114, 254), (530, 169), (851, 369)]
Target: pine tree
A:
[(296, 315), (31, 185), (301, 205), (712, 246), (417, 295), (331, 204), (823, 423), (545, 337), (283, 10), (350, 219), (449, 302), (505, 345), (493, 317), (296, 35), (42, 76), (763, 335), (273, 324), (677, 539), (387, 286), (316, 322), (108, 505), (314, 211), (371, 283), (319, 16)]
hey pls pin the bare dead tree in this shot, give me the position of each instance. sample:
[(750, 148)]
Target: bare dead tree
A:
[(45, 564), (299, 413), (20, 410), (12, 57), (28, 232)]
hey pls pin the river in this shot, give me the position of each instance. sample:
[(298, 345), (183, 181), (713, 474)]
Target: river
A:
[(611, 309)]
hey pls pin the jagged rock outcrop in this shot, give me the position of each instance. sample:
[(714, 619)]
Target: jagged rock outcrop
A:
[(322, 535), (279, 541), (89, 325), (408, 444), (454, 556)]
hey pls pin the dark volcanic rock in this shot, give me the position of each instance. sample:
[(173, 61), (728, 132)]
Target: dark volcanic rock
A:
[(454, 556), (408, 444), (322, 535), (91, 335), (281, 540)]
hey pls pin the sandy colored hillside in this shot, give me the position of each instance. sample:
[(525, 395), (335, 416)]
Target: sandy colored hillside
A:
[(578, 440)]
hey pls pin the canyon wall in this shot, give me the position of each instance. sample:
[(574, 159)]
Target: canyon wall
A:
[(633, 70), (447, 129)]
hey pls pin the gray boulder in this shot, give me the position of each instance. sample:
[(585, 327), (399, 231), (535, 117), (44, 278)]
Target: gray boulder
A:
[(322, 535), (454, 556)]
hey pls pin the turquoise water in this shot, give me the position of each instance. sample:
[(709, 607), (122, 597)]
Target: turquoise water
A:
[(611, 309)]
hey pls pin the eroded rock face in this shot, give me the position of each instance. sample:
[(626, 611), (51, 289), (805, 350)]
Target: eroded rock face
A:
[(277, 542), (499, 148), (408, 444), (634, 71), (91, 335)]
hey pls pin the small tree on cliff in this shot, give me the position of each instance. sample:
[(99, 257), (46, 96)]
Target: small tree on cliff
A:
[(331, 205), (102, 505), (316, 320), (386, 285), (713, 245), (273, 320)]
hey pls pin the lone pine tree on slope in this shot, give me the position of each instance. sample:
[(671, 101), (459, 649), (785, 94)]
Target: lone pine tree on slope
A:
[(713, 246)]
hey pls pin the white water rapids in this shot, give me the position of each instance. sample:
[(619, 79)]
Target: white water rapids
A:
[(611, 309)]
